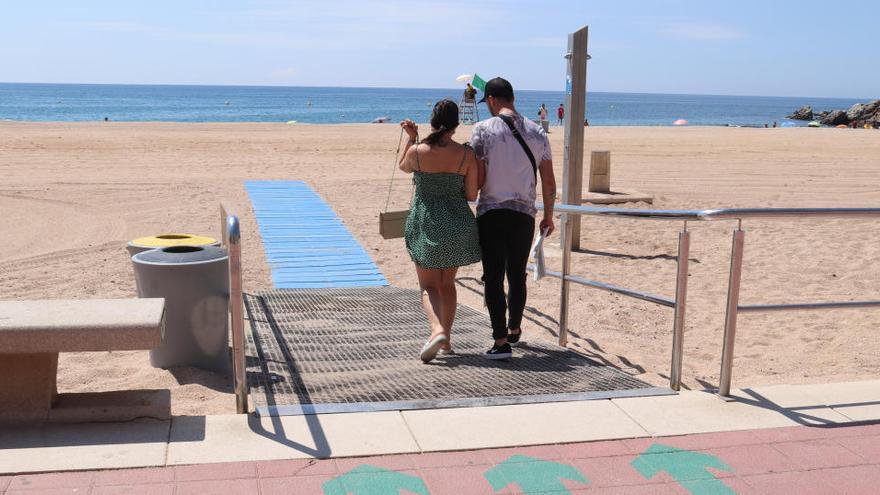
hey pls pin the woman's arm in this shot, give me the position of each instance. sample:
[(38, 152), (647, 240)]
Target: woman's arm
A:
[(471, 177), (407, 159)]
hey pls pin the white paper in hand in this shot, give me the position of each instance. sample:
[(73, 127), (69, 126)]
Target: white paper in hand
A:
[(537, 253)]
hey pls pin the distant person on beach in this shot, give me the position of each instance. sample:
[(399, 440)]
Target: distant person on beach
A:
[(441, 231), (542, 112), (512, 150), (560, 114), (470, 93)]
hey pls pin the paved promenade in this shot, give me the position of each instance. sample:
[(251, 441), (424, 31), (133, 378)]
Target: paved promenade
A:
[(798, 460), (799, 439)]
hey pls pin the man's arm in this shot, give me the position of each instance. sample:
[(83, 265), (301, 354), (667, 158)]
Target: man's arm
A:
[(548, 192)]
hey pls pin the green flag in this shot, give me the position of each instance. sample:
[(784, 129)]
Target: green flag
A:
[(479, 83)]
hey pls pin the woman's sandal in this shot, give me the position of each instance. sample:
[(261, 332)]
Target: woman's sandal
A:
[(431, 348)]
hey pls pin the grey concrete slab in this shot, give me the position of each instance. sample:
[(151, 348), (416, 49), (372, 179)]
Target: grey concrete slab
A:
[(83, 446), (238, 437), (73, 325)]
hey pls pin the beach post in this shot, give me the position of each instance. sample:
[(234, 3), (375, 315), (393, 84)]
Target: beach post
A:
[(572, 162), (600, 172)]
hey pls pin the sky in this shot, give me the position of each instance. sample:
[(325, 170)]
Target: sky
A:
[(741, 47)]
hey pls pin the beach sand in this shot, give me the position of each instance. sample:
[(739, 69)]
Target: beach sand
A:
[(73, 194)]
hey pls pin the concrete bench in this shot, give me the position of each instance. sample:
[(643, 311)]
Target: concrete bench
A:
[(32, 333)]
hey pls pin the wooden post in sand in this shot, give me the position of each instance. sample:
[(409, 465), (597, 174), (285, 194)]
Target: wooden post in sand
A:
[(572, 163), (600, 172)]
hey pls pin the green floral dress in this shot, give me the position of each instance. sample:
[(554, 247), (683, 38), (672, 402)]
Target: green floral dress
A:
[(441, 231)]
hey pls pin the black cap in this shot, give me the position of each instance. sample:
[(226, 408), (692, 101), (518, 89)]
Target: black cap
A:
[(499, 88)]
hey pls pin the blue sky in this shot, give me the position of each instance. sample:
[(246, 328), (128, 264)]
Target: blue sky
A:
[(743, 47)]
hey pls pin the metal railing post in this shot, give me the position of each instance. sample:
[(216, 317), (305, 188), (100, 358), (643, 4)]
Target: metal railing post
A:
[(231, 239), (681, 281), (736, 260), (565, 242)]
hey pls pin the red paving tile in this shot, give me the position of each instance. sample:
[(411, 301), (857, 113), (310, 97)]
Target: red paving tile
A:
[(153, 489), (816, 454), (81, 490), (545, 452), (218, 471), (855, 480), (134, 476), (296, 467), (868, 448), (449, 459), (4, 482), (632, 490), (289, 486), (226, 487), (402, 462), (795, 482), (613, 471), (458, 481), (752, 459), (50, 481), (608, 448)]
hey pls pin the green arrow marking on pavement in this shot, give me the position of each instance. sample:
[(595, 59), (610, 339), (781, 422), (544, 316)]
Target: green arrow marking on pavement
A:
[(534, 476), (370, 480), (686, 467)]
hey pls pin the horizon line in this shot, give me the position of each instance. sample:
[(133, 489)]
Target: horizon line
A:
[(869, 99)]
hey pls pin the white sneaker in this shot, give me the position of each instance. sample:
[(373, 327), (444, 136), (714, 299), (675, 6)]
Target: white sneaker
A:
[(431, 348)]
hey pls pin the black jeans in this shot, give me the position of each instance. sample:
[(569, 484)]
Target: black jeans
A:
[(505, 239)]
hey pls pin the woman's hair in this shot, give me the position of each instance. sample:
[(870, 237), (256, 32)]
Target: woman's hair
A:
[(444, 119)]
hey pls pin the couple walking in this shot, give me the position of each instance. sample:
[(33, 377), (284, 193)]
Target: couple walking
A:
[(506, 155)]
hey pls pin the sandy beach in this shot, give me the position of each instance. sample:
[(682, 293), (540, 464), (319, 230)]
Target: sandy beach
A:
[(73, 194)]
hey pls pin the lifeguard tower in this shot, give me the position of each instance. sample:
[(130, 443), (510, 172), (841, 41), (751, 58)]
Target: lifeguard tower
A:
[(468, 111)]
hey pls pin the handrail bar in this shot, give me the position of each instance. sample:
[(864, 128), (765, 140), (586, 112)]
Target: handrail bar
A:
[(807, 306), (644, 296), (714, 214), (231, 239)]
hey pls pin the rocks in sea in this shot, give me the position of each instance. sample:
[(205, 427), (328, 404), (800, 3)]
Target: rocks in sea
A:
[(835, 117), (858, 115), (803, 113)]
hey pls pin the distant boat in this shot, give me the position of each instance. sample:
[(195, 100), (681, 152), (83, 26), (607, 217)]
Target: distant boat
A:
[(680, 122), (380, 120)]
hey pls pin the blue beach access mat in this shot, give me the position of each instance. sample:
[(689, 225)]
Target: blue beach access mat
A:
[(306, 244)]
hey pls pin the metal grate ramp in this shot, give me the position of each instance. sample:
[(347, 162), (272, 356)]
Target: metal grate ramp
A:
[(356, 349)]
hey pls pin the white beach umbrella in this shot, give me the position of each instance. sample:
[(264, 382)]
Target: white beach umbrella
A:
[(465, 78)]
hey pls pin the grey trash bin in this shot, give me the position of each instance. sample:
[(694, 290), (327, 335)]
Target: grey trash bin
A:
[(194, 280)]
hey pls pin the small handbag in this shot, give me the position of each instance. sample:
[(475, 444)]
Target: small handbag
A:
[(392, 224)]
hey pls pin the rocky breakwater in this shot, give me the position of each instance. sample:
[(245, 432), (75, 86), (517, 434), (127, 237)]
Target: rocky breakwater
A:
[(858, 115)]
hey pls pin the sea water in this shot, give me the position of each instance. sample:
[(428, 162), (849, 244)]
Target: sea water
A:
[(316, 105)]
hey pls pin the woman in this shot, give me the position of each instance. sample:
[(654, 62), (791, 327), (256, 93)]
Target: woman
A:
[(441, 231)]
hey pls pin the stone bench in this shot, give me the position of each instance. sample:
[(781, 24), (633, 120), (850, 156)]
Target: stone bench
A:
[(32, 333)]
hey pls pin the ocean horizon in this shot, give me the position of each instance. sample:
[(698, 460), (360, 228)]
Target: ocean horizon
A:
[(43, 102)]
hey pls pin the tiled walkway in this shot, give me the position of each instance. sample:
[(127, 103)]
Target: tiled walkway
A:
[(801, 460)]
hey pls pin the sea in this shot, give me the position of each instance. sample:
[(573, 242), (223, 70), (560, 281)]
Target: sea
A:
[(337, 105)]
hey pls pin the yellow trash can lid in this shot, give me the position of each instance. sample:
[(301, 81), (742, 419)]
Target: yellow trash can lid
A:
[(165, 240)]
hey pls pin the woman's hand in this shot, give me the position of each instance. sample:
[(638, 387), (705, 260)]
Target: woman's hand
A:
[(412, 130)]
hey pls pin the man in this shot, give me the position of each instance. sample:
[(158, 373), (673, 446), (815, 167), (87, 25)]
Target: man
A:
[(470, 92), (506, 208), (560, 114)]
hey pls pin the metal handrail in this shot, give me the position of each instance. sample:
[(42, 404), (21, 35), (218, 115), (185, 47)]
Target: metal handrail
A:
[(679, 302), (231, 239)]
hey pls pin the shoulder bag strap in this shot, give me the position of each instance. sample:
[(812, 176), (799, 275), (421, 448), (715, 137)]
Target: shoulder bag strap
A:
[(509, 121)]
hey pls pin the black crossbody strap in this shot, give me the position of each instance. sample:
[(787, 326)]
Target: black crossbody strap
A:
[(509, 121)]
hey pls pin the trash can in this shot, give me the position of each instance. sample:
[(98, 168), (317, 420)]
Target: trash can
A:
[(194, 280), (142, 244)]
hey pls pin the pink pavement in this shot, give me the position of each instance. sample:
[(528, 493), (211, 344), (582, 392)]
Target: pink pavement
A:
[(798, 460)]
